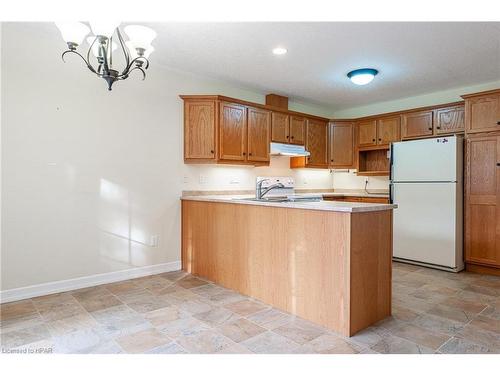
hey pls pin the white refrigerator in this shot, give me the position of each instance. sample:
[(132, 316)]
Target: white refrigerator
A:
[(427, 185)]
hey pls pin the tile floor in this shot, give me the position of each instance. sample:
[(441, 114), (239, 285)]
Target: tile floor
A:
[(433, 312)]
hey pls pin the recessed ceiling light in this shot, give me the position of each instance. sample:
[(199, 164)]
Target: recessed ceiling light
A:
[(279, 50), (362, 76)]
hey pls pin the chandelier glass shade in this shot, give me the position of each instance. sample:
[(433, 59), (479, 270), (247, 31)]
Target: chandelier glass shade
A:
[(135, 51)]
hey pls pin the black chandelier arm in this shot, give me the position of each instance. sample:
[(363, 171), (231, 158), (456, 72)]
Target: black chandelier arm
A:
[(125, 75), (140, 59), (125, 51), (91, 68)]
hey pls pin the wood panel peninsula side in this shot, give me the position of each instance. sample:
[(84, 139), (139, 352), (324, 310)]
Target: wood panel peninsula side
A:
[(328, 262)]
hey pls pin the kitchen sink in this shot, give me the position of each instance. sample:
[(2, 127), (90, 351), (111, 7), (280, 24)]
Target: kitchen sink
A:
[(283, 199)]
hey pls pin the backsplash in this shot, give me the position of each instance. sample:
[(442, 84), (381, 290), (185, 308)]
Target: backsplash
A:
[(221, 177), (349, 180)]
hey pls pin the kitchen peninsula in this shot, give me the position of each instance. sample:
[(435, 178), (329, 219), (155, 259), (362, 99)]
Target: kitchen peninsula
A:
[(328, 262)]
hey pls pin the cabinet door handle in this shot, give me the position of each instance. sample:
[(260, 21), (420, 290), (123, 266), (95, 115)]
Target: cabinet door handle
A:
[(379, 139), (498, 164), (373, 140), (244, 153), (498, 122), (250, 154), (287, 137), (430, 128), (293, 137), (439, 127), (212, 151)]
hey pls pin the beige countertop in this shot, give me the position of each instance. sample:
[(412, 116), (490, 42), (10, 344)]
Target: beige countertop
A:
[(321, 205)]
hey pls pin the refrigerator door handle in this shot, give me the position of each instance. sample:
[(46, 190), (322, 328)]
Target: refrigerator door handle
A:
[(391, 161), (391, 193)]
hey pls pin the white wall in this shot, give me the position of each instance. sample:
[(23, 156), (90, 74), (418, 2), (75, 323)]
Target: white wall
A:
[(88, 176)]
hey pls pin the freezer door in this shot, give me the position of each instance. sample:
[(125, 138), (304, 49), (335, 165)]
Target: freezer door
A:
[(427, 224), (426, 159)]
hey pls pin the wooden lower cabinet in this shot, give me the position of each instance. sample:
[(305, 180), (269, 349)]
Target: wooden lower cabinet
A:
[(346, 198), (322, 266), (482, 200)]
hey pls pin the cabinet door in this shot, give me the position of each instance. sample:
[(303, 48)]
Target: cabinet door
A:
[(232, 132), (367, 133), (259, 126), (199, 130), (279, 127), (449, 120), (417, 124), (316, 143), (483, 113), (297, 130), (388, 130), (341, 144), (482, 219)]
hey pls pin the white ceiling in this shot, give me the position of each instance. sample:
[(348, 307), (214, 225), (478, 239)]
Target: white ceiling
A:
[(413, 58)]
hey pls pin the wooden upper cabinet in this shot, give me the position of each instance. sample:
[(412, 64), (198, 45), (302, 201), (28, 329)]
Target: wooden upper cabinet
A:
[(297, 130), (316, 143), (388, 130), (199, 130), (417, 124), (449, 120), (279, 127), (482, 188), (258, 137), (483, 113), (367, 133), (341, 144), (232, 132)]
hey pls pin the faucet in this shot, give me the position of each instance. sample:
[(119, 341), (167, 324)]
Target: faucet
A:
[(259, 193)]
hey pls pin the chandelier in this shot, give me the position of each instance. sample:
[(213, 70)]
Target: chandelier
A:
[(101, 44)]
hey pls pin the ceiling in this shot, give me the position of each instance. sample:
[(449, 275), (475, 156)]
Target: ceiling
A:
[(413, 58)]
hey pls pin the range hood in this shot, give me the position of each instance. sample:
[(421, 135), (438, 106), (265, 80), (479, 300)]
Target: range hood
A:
[(283, 149)]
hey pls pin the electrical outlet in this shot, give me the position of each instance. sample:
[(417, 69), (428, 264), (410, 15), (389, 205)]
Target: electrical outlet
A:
[(185, 180), (234, 181), (154, 241), (304, 181)]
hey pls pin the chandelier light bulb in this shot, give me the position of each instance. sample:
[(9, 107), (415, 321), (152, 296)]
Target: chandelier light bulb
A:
[(104, 28), (133, 50), (140, 36), (73, 32)]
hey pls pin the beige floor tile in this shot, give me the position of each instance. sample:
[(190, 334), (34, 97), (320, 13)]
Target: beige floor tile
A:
[(102, 347), (120, 320), (54, 311), (420, 335), (123, 287), (435, 323), (216, 316), (91, 292), (16, 309), (270, 343), (153, 283), (24, 336), (493, 310), (368, 337), (494, 292), (148, 302), (20, 322), (70, 324), (79, 341), (143, 341), (170, 348), (45, 346), (404, 314), (173, 276), (330, 344), (299, 331), (240, 330), (452, 313), (463, 346), (235, 349), (469, 306), (195, 306), (225, 297), (396, 345), (270, 318), (99, 302), (480, 336), (208, 290), (166, 315), (183, 327), (190, 282), (205, 342), (246, 307), (486, 323)]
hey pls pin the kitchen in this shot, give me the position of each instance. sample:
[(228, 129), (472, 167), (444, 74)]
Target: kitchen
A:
[(194, 212)]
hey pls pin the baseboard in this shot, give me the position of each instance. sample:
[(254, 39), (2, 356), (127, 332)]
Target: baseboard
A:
[(17, 294)]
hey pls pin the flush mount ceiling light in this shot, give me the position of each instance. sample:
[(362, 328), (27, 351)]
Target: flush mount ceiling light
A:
[(135, 51), (362, 76), (280, 50)]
